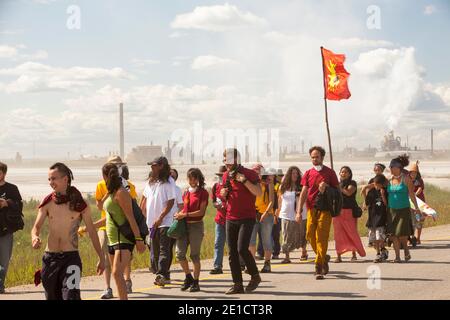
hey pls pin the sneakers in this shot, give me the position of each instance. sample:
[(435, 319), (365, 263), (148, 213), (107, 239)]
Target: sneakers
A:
[(160, 281), (216, 271), (188, 282), (129, 285), (237, 288), (107, 294), (195, 287), (326, 267), (266, 268), (253, 283)]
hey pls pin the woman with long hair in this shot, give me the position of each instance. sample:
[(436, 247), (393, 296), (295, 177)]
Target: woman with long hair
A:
[(346, 235), (400, 192), (119, 210), (294, 233)]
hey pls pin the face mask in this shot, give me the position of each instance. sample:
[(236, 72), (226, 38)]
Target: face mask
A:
[(318, 168), (192, 190)]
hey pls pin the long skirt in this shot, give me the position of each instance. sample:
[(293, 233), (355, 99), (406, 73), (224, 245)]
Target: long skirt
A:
[(346, 235)]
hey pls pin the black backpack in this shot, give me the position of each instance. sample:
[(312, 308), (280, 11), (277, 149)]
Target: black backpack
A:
[(125, 228), (12, 219)]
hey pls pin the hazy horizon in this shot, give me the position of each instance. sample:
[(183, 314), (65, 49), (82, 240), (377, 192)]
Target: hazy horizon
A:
[(65, 67)]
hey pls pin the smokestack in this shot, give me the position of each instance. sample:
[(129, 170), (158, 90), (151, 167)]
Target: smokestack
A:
[(432, 142), (122, 151)]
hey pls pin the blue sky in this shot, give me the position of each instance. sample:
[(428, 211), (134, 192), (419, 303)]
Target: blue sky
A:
[(176, 62)]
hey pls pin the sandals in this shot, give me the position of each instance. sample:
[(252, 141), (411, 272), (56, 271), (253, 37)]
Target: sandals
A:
[(407, 257), (338, 260), (304, 258), (396, 260), (353, 259)]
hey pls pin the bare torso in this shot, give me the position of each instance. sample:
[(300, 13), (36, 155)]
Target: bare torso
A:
[(63, 227)]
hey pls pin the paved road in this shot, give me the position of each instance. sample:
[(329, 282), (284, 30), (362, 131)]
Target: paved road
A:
[(426, 276)]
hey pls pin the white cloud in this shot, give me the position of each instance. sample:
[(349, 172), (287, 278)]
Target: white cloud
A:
[(34, 77), (7, 51), (211, 62), (38, 55), (11, 32), (179, 60), (14, 53), (355, 43), (217, 18), (177, 34), (443, 91), (144, 62), (392, 83), (429, 10)]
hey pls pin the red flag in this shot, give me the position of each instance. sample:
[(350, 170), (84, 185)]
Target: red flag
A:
[(335, 76)]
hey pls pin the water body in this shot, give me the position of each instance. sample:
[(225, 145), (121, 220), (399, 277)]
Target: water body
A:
[(33, 183)]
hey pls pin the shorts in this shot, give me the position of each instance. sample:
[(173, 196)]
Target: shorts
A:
[(61, 275), (193, 239), (120, 246), (377, 234)]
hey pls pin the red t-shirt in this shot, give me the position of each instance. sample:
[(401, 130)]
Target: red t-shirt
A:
[(221, 213), (192, 202), (312, 178), (418, 183), (241, 202)]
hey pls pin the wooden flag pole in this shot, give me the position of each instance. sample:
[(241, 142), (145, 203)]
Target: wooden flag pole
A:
[(326, 108)]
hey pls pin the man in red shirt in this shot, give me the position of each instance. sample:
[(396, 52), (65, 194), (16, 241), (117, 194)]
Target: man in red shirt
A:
[(240, 189), (316, 180)]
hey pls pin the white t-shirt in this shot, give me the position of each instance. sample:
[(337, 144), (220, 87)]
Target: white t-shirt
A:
[(157, 195), (178, 200), (287, 210)]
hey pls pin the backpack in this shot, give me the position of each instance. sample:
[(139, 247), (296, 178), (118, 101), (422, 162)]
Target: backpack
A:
[(125, 228), (13, 219)]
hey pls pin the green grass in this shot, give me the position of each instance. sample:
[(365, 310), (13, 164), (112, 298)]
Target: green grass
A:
[(25, 261)]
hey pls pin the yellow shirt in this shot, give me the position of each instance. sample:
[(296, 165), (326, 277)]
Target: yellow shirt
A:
[(262, 202), (101, 191)]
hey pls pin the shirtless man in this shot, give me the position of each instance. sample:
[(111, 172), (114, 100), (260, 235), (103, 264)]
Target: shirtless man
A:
[(65, 208)]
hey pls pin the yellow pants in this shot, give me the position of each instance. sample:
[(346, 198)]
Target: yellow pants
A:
[(317, 232)]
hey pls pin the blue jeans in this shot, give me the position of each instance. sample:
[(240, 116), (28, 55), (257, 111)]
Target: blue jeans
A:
[(6, 246), (266, 233), (276, 232), (219, 245)]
